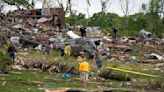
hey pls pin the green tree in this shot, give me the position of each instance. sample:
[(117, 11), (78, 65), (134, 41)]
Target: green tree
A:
[(104, 4), (126, 6), (153, 14), (19, 3), (77, 19)]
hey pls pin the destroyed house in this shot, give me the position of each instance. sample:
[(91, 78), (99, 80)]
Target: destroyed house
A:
[(56, 14), (33, 28)]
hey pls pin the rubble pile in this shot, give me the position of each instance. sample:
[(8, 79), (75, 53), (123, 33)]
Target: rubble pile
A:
[(47, 25), (32, 28), (22, 63)]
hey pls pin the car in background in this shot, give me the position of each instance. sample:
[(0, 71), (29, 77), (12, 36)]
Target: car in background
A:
[(86, 45)]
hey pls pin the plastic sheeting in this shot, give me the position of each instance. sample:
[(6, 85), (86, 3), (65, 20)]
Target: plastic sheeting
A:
[(72, 35), (15, 40), (157, 56), (42, 20)]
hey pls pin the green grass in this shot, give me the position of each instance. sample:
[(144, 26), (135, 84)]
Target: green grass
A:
[(27, 81), (30, 81)]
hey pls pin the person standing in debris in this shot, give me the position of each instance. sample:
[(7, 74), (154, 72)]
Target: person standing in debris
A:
[(12, 52), (84, 70), (67, 49), (81, 57), (97, 58), (48, 49), (83, 31), (114, 35)]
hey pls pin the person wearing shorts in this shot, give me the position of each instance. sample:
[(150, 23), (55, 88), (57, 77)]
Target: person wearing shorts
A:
[(97, 57), (84, 70)]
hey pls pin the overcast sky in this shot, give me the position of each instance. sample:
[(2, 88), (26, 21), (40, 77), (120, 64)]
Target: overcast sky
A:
[(114, 6)]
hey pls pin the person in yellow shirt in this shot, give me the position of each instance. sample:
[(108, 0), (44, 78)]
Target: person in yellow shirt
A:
[(84, 70), (67, 49)]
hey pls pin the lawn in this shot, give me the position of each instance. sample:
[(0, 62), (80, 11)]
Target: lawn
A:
[(36, 81)]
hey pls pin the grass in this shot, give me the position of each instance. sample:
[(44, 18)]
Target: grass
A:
[(27, 81), (31, 81)]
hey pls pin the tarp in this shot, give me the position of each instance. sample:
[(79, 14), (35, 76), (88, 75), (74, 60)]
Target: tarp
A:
[(157, 56), (17, 26), (58, 38), (145, 34), (15, 40), (72, 35), (42, 20)]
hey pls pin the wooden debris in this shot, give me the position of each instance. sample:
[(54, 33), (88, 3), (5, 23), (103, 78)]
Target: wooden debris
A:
[(57, 90)]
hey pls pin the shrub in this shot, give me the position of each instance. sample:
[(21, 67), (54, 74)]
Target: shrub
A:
[(5, 61)]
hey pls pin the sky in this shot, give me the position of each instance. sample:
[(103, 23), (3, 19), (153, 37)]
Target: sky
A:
[(113, 7)]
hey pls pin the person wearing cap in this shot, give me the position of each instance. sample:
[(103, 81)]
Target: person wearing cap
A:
[(81, 57), (84, 70)]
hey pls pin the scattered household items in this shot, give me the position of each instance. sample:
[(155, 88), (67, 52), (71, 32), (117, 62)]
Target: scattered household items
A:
[(22, 63), (156, 56), (14, 40), (120, 48), (128, 40), (145, 36), (57, 39), (66, 75), (133, 59)]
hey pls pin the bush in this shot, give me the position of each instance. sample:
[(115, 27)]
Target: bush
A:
[(5, 61)]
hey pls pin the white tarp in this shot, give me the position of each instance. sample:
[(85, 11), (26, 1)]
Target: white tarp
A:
[(145, 34), (15, 40), (157, 56), (107, 38), (39, 47), (17, 26), (72, 35), (41, 20)]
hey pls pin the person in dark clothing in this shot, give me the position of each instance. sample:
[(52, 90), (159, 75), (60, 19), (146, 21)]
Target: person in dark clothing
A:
[(49, 49), (12, 52), (114, 35), (83, 31)]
